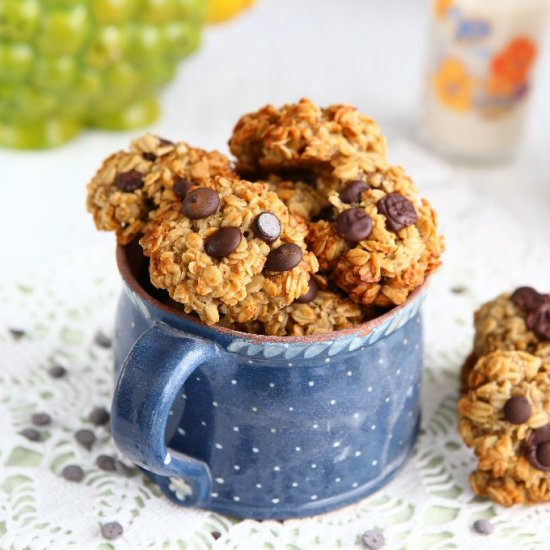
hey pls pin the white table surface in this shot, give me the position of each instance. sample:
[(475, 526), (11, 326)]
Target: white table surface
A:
[(367, 52)]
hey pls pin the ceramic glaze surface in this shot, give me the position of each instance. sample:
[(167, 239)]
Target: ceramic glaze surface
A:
[(275, 429)]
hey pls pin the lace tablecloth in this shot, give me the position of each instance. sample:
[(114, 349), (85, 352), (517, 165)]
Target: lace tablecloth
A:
[(429, 505)]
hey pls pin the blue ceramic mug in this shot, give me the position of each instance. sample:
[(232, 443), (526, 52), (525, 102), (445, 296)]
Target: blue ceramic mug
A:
[(259, 426)]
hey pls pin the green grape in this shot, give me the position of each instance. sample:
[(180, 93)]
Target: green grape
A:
[(107, 12), (64, 31), (15, 61), (144, 42), (19, 19), (107, 47), (55, 73)]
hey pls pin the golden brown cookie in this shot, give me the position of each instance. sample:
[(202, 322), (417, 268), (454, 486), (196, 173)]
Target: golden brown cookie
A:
[(505, 418), (231, 248)]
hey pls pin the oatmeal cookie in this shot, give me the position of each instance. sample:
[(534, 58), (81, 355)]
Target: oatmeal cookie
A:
[(133, 185), (231, 248), (505, 418), (383, 241), (303, 135)]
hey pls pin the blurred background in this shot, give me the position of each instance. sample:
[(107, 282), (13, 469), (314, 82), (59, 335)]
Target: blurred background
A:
[(366, 52)]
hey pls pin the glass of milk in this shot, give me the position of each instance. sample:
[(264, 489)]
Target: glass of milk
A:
[(482, 57)]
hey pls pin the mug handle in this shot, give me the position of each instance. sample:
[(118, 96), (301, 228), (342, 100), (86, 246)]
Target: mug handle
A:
[(151, 377)]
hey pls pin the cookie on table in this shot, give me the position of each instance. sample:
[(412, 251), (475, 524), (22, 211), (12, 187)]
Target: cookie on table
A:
[(302, 135), (382, 242), (131, 185), (232, 248), (505, 418)]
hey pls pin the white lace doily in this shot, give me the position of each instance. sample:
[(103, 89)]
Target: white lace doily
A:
[(429, 505)]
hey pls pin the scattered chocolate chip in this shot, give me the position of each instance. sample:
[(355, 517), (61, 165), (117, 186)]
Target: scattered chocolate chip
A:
[(181, 187), (459, 289), (124, 470), (483, 527), (129, 181), (399, 211), (31, 434), (326, 213), (17, 333), (149, 156), (165, 142), (284, 258), (517, 410), (538, 321), (106, 463), (72, 472), (539, 439), (99, 416), (310, 295), (112, 530), (224, 241), (200, 203), (102, 340), (267, 227), (85, 437), (353, 224), (352, 193), (57, 371), (216, 535), (373, 539), (527, 298), (41, 419)]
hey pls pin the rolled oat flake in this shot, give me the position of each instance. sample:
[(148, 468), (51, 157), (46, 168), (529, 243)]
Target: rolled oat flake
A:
[(373, 539), (483, 527), (111, 530)]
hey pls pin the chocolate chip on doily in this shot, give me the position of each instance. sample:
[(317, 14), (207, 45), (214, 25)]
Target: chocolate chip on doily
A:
[(267, 227), (17, 333), (200, 203), (284, 258), (527, 298), (106, 463), (102, 340), (538, 449), (74, 473), (181, 187), (41, 419), (129, 181), (112, 530), (57, 371), (99, 416), (538, 321), (311, 293), (373, 539), (399, 211), (483, 527), (85, 437), (224, 241), (353, 192), (216, 535), (123, 470), (31, 434), (517, 410), (353, 224)]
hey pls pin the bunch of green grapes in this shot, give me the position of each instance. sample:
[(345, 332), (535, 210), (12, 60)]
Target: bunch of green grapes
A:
[(65, 64)]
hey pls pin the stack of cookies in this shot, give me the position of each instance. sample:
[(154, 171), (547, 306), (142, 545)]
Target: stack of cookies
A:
[(505, 405), (308, 231)]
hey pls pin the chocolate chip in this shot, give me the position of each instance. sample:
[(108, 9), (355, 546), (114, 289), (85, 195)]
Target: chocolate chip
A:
[(373, 539), (124, 470), (354, 191), (102, 340), (57, 371), (41, 419), (353, 224), (399, 211), (216, 535), (129, 181), (224, 241), (165, 142), (31, 434), (517, 410), (310, 295), (459, 289), (284, 258), (200, 203), (72, 472), (483, 527), (112, 530), (85, 437), (539, 321), (267, 227), (527, 298), (106, 463), (17, 333), (99, 416), (539, 439), (181, 187), (149, 156)]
